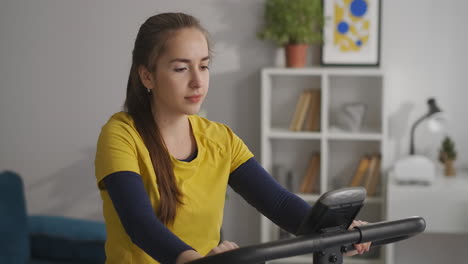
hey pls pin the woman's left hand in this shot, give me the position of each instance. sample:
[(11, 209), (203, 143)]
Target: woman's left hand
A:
[(360, 248)]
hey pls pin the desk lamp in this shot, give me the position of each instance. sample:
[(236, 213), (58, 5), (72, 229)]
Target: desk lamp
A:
[(417, 169), (433, 109)]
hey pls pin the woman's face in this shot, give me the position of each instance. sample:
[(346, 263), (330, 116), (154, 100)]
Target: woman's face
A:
[(182, 75)]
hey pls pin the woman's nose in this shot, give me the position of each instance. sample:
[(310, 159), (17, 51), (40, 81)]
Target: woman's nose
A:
[(196, 80)]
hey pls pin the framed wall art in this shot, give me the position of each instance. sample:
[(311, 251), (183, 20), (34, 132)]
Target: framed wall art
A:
[(351, 33)]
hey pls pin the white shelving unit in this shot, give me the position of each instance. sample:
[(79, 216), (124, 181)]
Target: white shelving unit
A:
[(287, 152)]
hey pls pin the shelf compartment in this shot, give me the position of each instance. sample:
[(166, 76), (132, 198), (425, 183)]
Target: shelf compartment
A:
[(284, 95), (290, 161), (344, 157), (345, 90)]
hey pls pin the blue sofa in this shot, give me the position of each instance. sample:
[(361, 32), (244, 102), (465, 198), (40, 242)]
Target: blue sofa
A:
[(40, 239)]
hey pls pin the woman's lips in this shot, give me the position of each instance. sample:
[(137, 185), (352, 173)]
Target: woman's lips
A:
[(194, 98)]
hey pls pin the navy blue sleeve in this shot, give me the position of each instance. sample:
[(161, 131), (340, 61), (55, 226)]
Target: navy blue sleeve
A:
[(251, 181), (134, 208)]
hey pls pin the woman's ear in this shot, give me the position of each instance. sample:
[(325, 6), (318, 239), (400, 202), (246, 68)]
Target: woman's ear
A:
[(146, 77)]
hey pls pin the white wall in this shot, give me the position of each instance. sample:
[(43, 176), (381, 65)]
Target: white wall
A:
[(64, 65), (63, 71), (424, 55)]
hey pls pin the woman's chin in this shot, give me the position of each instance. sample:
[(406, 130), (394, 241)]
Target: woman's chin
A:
[(192, 111)]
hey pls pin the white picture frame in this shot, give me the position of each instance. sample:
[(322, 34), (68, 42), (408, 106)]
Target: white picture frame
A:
[(351, 33)]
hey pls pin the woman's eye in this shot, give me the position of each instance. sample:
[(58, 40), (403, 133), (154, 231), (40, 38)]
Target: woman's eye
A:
[(180, 69), (205, 67)]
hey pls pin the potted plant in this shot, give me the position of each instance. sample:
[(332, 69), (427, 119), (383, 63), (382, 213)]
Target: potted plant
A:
[(448, 155), (293, 24)]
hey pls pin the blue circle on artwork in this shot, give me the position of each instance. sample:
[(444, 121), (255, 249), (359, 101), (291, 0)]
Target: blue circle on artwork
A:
[(343, 27), (359, 43), (358, 8)]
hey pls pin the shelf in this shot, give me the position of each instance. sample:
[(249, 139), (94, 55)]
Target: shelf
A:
[(287, 154), (356, 136), (321, 70), (287, 134)]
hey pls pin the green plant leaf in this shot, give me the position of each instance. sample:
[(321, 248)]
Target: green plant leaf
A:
[(293, 22)]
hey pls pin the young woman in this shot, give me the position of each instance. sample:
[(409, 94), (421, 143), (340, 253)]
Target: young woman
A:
[(162, 170)]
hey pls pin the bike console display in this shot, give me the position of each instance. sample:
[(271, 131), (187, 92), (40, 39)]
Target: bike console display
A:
[(334, 211)]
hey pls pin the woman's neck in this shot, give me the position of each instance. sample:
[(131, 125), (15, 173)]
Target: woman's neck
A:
[(173, 126), (177, 135)]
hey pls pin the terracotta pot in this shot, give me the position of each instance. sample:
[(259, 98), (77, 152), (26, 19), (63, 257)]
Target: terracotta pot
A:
[(296, 55), (449, 169)]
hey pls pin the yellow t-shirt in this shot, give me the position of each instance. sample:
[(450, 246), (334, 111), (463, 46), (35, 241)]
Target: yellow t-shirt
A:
[(203, 182)]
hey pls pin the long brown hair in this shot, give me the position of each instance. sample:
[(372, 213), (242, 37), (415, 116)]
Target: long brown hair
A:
[(149, 45)]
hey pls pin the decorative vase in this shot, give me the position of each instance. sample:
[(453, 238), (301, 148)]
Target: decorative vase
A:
[(296, 55), (449, 169)]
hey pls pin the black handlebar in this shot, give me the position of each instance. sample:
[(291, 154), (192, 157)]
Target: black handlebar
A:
[(386, 232), (381, 233)]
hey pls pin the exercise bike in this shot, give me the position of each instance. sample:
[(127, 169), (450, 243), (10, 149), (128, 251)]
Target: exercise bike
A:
[(324, 233)]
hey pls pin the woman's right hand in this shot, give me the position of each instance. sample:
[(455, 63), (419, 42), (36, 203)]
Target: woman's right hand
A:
[(187, 256), (190, 255), (222, 247)]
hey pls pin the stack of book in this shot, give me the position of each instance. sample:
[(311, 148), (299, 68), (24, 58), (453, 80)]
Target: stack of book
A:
[(310, 179), (367, 173), (307, 114)]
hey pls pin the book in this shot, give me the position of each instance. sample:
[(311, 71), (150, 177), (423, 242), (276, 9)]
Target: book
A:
[(361, 169), (313, 116), (300, 112), (303, 110), (369, 171), (373, 175), (295, 118), (309, 180)]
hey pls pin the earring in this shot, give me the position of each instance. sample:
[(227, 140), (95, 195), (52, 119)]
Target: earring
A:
[(148, 89)]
